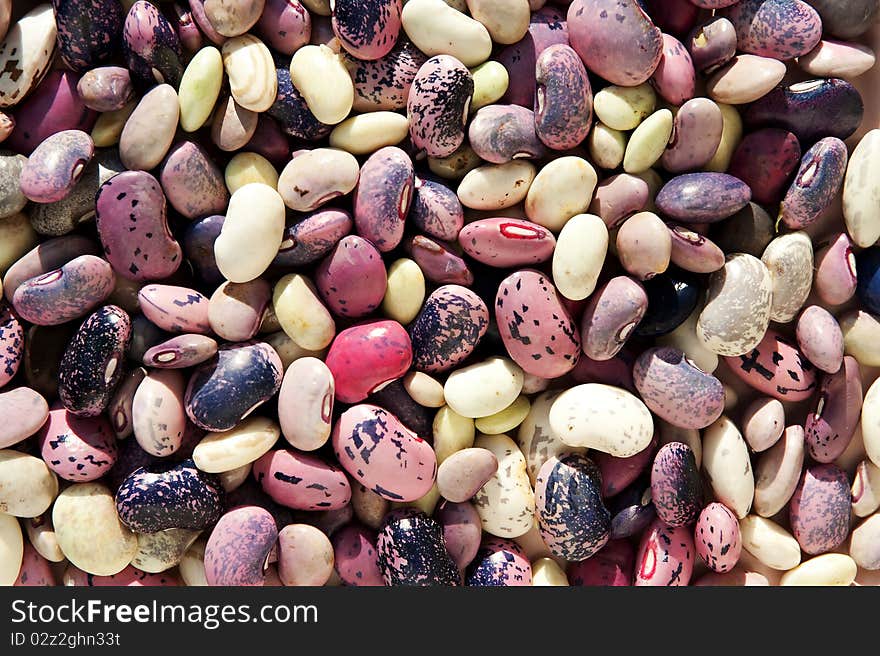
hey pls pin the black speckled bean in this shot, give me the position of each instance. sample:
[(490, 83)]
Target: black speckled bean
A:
[(820, 509), (436, 209), (92, 363), (383, 197), (676, 487), (563, 98), (383, 84), (88, 31), (499, 563), (781, 29), (816, 184), (11, 344), (368, 30), (438, 104), (395, 399), (412, 551), (451, 323), (292, 113), (151, 45)]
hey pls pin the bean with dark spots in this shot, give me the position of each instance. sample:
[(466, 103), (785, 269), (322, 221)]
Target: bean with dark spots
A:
[(499, 563), (151, 45), (816, 183), (780, 29), (291, 112), (239, 547), (412, 551), (437, 105), (383, 197), (830, 426), (820, 509), (368, 30), (384, 83), (676, 487), (192, 181), (11, 344), (88, 31), (435, 209), (78, 449), (302, 481)]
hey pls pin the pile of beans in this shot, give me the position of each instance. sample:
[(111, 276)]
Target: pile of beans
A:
[(493, 292)]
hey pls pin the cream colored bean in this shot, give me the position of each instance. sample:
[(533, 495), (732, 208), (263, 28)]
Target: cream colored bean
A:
[(727, 466), (684, 338), (452, 432), (563, 188), (861, 191), (607, 146), (149, 130), (580, 252), (41, 534), (866, 489), (251, 234), (689, 436), (437, 29), (11, 549), (27, 486), (506, 503), (838, 59), (490, 84), (234, 478), (535, 437), (17, 237), (247, 168), (644, 246), (496, 186), (547, 572), (302, 315), (405, 292), (108, 128), (233, 17), (789, 258), (506, 20), (506, 420), (251, 71), (305, 555), (200, 88), (602, 417), (192, 565), (829, 569), (424, 389), (288, 350), (89, 531), (160, 551), (624, 108), (484, 388), (648, 141), (456, 165), (731, 135), (861, 337), (367, 133), (871, 422), (230, 449), (763, 423), (26, 54), (777, 472), (317, 176), (320, 75), (745, 79), (865, 543), (769, 543)]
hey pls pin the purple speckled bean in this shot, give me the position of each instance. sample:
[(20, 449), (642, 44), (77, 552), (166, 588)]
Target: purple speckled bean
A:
[(676, 390), (703, 197), (78, 449), (615, 39), (56, 165), (175, 309), (65, 293), (820, 338), (235, 309), (438, 104), (54, 106), (352, 278), (412, 552), (302, 481), (309, 239), (696, 135), (436, 209), (501, 133), (106, 89), (88, 31), (284, 25), (439, 265), (368, 30), (820, 509), (462, 530), (383, 196), (192, 181), (676, 487), (398, 466), (665, 556), (180, 352), (620, 473), (11, 344), (674, 78), (817, 182), (536, 328), (239, 547), (563, 98), (830, 426), (693, 252), (499, 562), (229, 387), (384, 84), (24, 410), (355, 557), (130, 214), (835, 280), (507, 242), (610, 317), (157, 411), (780, 29), (92, 363), (151, 45), (305, 403), (765, 160), (618, 197), (777, 368), (448, 328), (119, 408), (45, 257), (810, 110), (712, 44)]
